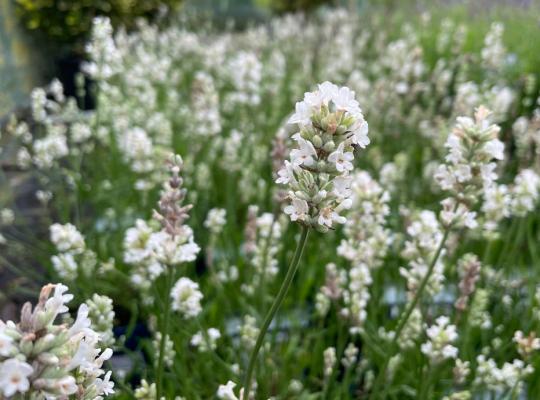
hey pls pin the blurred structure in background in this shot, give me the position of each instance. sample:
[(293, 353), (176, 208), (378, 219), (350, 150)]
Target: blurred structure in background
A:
[(21, 66)]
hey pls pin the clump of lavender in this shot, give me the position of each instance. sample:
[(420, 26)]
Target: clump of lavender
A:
[(151, 250), (467, 175)]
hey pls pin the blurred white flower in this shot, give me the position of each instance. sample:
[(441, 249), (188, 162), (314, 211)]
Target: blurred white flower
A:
[(186, 298)]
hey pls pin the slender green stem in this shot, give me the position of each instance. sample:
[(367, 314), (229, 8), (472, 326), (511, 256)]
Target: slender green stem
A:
[(408, 311), (275, 306), (424, 384), (164, 331)]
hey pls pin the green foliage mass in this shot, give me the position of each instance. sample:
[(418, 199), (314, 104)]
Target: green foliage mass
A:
[(69, 22)]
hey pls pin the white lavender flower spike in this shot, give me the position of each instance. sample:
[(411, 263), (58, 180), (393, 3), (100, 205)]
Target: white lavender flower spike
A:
[(330, 125)]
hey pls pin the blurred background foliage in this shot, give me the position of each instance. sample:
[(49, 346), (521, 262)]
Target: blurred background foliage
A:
[(283, 6), (69, 22), (60, 28)]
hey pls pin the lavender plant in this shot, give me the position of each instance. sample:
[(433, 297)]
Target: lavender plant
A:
[(419, 276)]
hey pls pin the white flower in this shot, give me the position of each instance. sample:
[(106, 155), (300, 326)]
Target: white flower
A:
[(215, 220), (463, 173), (488, 174), (458, 216), (226, 392), (50, 148), (105, 386), (186, 298), (67, 385), (472, 143), (6, 344), (360, 133), (305, 154), (80, 132), (302, 115), (286, 174), (7, 216), (82, 323), (136, 149), (441, 336), (205, 342), (56, 304), (64, 355), (67, 238), (136, 248), (14, 377), (327, 92), (345, 100), (327, 216), (495, 149), (509, 376), (329, 356), (342, 186), (297, 210), (65, 265), (173, 250), (342, 160), (525, 192), (85, 355)]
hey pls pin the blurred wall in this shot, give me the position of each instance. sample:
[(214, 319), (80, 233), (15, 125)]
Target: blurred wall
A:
[(21, 67)]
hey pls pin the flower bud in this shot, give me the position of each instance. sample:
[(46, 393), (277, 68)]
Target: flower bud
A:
[(317, 141), (26, 346), (329, 146), (48, 359)]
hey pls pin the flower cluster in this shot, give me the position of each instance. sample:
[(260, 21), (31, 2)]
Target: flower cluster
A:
[(74, 257), (206, 341), (525, 192), (330, 125), (424, 237), (168, 348), (469, 169), (469, 273), (526, 345), (249, 332), (101, 313), (226, 392), (149, 248), (67, 238), (43, 359), (349, 291), (366, 238), (215, 220), (263, 248), (186, 298), (509, 376), (330, 360), (365, 245), (441, 337)]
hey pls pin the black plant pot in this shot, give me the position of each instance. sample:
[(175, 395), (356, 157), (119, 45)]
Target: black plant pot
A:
[(68, 65)]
